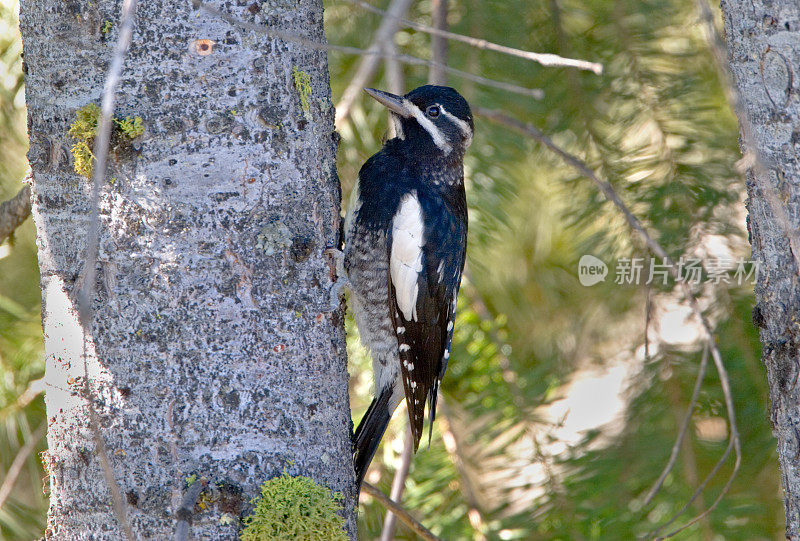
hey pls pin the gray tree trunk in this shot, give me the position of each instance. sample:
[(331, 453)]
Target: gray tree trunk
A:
[(763, 39), (209, 352)]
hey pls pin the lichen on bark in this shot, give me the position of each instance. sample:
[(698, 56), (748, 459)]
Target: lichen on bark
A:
[(207, 355)]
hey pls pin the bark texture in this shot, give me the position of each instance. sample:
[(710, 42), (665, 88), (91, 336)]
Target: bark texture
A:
[(209, 352), (763, 38)]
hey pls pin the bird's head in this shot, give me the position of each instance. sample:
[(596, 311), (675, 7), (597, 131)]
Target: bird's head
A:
[(434, 119)]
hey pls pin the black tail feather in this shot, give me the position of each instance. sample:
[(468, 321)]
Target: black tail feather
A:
[(369, 433)]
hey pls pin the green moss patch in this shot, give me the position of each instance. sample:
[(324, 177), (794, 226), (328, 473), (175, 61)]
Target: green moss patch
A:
[(296, 508), (84, 130)]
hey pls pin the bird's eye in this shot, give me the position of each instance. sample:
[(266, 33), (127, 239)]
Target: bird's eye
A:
[(433, 111)]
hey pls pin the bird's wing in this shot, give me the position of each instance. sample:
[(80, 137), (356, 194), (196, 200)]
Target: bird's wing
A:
[(426, 258)]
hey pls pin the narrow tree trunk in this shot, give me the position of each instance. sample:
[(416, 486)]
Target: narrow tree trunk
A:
[(209, 352), (763, 39)]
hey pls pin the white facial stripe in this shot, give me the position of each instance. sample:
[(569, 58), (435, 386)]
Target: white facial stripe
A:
[(398, 127), (405, 260), (430, 127), (462, 125)]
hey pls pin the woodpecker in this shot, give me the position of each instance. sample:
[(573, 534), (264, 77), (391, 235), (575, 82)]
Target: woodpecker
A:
[(405, 244)]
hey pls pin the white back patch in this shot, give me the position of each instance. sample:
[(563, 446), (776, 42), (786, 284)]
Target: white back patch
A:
[(405, 259), (435, 133)]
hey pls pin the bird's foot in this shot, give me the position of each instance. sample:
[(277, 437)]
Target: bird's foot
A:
[(337, 289)]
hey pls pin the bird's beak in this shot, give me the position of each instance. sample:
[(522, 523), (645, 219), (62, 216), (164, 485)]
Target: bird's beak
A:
[(395, 104)]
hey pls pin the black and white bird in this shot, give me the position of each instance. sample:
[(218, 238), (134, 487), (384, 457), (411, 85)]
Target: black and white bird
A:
[(405, 243)]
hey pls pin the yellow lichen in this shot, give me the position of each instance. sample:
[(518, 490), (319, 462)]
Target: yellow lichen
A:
[(302, 82), (296, 508)]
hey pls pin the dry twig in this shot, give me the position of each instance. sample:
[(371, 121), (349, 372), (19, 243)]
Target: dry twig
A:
[(734, 441), (19, 462), (404, 58), (673, 457), (399, 483), (86, 295), (14, 211), (400, 511), (545, 59)]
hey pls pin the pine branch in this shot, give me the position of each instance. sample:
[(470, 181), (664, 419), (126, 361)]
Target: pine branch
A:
[(734, 441)]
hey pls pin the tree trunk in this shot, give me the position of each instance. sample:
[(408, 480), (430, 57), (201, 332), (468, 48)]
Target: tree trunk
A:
[(209, 352), (763, 39)]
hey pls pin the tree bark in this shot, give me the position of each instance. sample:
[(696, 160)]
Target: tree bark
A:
[(763, 38), (209, 352)]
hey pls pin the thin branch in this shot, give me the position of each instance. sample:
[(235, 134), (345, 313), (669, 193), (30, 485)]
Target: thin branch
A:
[(35, 388), (395, 79), (700, 489), (437, 76), (609, 192), (19, 462), (86, 294), (400, 511), (399, 483), (14, 211), (673, 457), (186, 510), (369, 63), (404, 58), (545, 59)]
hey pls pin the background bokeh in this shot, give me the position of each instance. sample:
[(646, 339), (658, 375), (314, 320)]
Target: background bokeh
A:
[(561, 402)]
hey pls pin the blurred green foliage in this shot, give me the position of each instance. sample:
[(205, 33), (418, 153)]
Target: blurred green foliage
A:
[(657, 126), (21, 359)]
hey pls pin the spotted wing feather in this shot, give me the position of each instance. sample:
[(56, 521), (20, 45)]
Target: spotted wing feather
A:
[(424, 334)]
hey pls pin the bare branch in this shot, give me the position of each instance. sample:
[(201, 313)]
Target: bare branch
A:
[(404, 58), (545, 59), (86, 294), (35, 388), (186, 510), (19, 462), (369, 63), (734, 441), (14, 211), (395, 79), (399, 483), (437, 76), (400, 511), (673, 457)]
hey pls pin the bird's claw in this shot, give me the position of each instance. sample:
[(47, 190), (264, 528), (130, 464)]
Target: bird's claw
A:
[(337, 289)]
